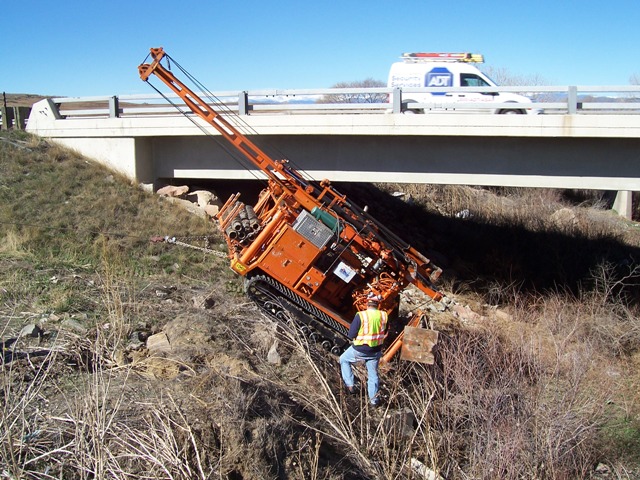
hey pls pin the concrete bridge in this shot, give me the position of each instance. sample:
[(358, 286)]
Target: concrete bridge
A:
[(359, 143)]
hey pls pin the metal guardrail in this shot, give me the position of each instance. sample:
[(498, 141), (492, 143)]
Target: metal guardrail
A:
[(545, 99)]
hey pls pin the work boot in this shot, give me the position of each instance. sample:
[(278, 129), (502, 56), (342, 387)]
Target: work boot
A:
[(350, 390)]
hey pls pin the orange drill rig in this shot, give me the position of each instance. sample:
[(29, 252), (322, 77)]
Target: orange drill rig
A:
[(305, 251)]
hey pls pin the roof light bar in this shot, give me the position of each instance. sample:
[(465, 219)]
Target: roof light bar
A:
[(442, 57)]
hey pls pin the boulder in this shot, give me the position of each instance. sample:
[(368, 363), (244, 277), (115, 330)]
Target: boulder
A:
[(211, 210), (564, 218), (158, 343), (173, 191), (204, 197), (31, 330), (188, 206), (273, 356), (74, 325)]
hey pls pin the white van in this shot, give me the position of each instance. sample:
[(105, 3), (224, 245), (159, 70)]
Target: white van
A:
[(439, 70)]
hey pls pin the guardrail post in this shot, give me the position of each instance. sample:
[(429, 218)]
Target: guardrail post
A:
[(243, 103), (114, 107), (397, 100), (572, 100)]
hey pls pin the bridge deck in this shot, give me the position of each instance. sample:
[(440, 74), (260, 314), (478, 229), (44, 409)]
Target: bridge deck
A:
[(557, 151)]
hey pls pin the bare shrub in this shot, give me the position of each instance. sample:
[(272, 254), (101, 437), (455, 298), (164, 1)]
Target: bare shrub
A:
[(93, 422), (508, 408), (22, 413), (527, 400)]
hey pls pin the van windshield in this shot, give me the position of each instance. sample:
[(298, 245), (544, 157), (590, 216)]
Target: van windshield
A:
[(472, 80)]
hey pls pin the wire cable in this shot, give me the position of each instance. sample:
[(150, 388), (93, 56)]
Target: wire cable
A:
[(241, 125), (240, 160)]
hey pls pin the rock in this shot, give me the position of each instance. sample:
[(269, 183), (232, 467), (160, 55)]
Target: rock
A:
[(423, 471), (564, 218), (438, 307), (211, 210), (502, 315), (72, 324), (602, 469), (188, 206), (464, 214), (120, 358), (139, 336), (204, 197), (158, 343), (273, 356), (164, 291), (172, 191), (202, 301), (136, 340), (400, 422), (188, 333), (31, 330), (464, 313), (447, 301)]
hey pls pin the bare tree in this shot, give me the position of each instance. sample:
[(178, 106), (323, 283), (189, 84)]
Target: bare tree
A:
[(364, 97), (634, 79), (502, 76)]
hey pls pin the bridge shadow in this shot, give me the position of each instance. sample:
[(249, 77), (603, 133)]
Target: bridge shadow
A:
[(489, 259), (493, 258)]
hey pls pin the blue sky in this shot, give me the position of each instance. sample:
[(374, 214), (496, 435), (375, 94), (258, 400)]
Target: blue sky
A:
[(93, 47)]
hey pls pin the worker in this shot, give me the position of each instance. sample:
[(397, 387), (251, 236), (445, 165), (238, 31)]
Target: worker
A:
[(368, 331)]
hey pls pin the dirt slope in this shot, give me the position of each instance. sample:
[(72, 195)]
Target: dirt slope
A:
[(138, 357)]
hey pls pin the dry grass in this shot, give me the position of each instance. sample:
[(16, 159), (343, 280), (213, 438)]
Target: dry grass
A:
[(547, 392)]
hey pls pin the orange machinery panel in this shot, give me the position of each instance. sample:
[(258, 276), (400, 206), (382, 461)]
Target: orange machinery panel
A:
[(311, 281), (289, 258)]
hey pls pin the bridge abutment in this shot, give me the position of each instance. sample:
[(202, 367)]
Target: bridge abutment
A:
[(597, 152)]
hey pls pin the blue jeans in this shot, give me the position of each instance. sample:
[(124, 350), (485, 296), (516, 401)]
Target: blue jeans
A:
[(351, 355)]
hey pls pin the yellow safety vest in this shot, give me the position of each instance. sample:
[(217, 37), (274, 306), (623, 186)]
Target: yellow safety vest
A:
[(373, 325)]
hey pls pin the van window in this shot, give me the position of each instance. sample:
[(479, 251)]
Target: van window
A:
[(472, 80)]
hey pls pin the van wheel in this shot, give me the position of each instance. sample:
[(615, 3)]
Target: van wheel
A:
[(512, 112), (408, 111)]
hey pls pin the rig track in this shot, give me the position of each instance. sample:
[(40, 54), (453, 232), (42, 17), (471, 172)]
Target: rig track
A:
[(282, 304)]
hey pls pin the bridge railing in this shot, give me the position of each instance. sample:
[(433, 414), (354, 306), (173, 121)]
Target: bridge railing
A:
[(545, 99)]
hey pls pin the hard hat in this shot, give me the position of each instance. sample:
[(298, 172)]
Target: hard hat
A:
[(373, 299)]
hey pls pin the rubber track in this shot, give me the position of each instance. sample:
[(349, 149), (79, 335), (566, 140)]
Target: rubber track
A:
[(310, 310)]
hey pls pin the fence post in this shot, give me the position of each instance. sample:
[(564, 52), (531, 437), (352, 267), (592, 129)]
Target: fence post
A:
[(7, 117), (243, 103), (397, 100), (572, 100), (21, 115), (114, 107)]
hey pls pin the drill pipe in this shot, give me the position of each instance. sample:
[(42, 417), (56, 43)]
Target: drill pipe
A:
[(252, 217)]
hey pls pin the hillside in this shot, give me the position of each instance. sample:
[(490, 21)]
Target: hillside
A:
[(22, 99), (124, 358)]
